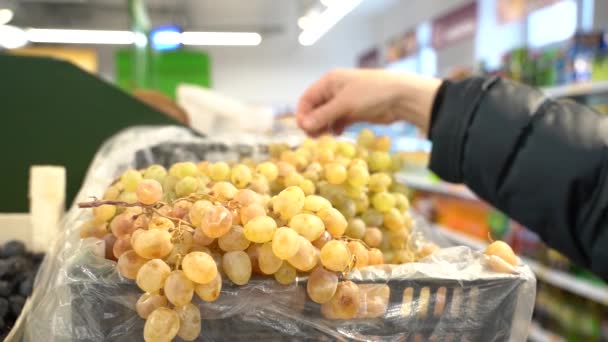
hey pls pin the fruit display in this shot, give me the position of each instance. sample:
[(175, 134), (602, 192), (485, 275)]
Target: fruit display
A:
[(18, 269), (321, 210)]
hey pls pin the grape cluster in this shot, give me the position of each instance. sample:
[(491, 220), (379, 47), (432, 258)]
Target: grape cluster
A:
[(322, 209), (18, 269)]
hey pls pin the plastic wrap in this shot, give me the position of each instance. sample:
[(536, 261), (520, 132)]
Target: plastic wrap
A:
[(449, 296)]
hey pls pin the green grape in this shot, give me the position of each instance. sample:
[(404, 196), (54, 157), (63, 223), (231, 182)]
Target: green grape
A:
[(361, 203), (356, 228), (130, 179), (162, 325), (304, 153), (383, 201), (268, 262), (358, 176), (327, 142), (190, 322), (346, 149), (260, 229), (348, 208), (313, 171), (224, 191), (334, 221), (128, 196), (379, 182), (169, 183), (219, 171), (286, 274), (321, 285), (104, 212), (393, 219), (237, 266), (379, 161), (199, 267), (149, 302), (96, 229), (178, 288), (183, 169), (325, 156), (234, 240), (334, 193), (307, 256), (366, 138), (289, 202), (186, 186), (241, 176), (156, 172), (372, 218), (268, 170), (335, 173), (151, 276)]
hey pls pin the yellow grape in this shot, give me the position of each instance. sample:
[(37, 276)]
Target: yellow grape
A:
[(162, 325), (375, 257), (151, 276), (178, 288), (393, 220), (379, 161), (199, 267), (162, 223), (334, 221), (372, 218), (373, 300), (285, 169), (211, 291), (286, 274), (268, 170), (199, 238), (321, 285), (322, 240), (293, 179), (237, 267), (156, 172), (241, 176), (129, 264), (149, 302), (109, 241), (179, 250), (149, 191), (267, 261), (314, 203), (356, 228), (335, 173), (399, 239), (325, 156), (335, 256), (104, 212), (189, 322), (307, 256), (379, 182), (366, 138), (181, 209), (183, 169), (346, 301), (260, 229), (252, 252), (360, 253), (502, 250), (218, 171), (245, 197), (382, 144), (289, 202), (216, 221), (361, 203), (122, 224), (186, 186), (308, 187), (113, 192), (373, 237), (285, 243), (348, 208), (197, 211), (169, 184), (151, 244), (121, 245), (401, 202), (260, 184), (309, 226), (224, 191), (234, 240), (383, 201), (313, 171), (130, 179), (327, 142), (346, 149), (93, 229)]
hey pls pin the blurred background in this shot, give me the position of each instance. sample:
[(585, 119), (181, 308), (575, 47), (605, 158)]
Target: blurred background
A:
[(236, 69)]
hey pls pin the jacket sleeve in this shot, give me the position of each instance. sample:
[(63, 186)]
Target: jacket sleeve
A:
[(542, 162)]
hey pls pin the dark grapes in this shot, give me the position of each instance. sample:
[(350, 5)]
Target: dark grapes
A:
[(6, 288), (16, 303), (26, 286), (12, 248), (3, 307)]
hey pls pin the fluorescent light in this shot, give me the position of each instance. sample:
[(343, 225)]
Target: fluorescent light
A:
[(326, 20), (221, 38), (6, 15), (12, 37), (80, 36)]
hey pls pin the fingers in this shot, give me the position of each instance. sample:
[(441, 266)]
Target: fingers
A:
[(322, 118), (315, 95)]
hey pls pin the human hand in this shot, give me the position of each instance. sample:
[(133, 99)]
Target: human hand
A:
[(343, 97)]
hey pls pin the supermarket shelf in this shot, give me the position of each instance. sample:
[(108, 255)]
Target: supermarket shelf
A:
[(538, 334), (424, 183), (578, 89), (563, 280)]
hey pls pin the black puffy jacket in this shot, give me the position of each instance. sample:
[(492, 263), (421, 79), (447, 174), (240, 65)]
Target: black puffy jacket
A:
[(541, 161)]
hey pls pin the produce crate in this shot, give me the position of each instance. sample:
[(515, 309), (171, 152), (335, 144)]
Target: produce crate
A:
[(81, 296)]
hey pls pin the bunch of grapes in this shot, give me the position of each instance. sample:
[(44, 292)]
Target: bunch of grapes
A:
[(322, 209)]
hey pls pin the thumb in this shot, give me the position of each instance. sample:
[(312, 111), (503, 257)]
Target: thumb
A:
[(323, 117)]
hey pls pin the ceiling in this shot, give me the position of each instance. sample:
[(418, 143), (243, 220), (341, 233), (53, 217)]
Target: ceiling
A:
[(264, 16)]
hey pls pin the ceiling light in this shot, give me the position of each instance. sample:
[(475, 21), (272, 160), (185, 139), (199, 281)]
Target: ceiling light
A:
[(12, 37), (326, 20), (303, 22), (221, 38), (80, 36), (6, 15), (328, 3)]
